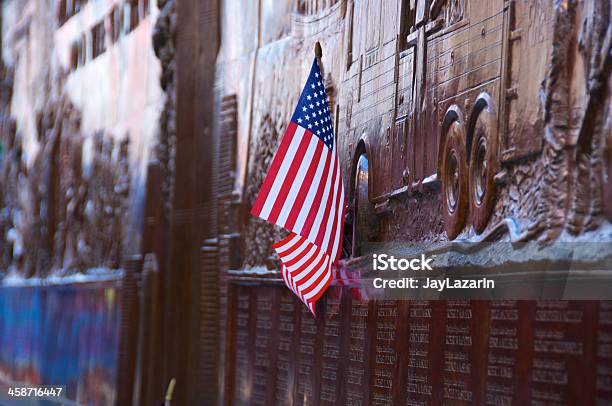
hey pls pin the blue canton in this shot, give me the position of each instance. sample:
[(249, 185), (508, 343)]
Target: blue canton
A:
[(312, 112)]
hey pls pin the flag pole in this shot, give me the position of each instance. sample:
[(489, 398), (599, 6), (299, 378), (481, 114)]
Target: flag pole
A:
[(318, 51)]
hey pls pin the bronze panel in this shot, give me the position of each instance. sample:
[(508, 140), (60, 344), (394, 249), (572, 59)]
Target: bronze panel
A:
[(418, 352), (356, 377), (383, 353)]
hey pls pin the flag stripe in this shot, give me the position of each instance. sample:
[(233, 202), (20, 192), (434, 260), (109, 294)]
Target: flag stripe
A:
[(306, 273), (276, 163), (316, 264), (323, 209), (286, 243), (312, 227), (334, 229), (300, 181), (337, 247), (291, 179), (330, 215), (295, 251), (311, 198), (321, 288), (317, 279), (313, 277), (284, 275), (297, 260), (282, 173), (315, 168)]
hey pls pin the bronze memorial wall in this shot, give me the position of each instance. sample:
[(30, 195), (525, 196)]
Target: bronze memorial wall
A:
[(416, 352), (456, 122)]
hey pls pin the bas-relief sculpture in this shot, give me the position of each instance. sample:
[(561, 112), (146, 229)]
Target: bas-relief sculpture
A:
[(57, 214), (164, 46), (459, 82), (68, 190), (477, 120), (455, 119)]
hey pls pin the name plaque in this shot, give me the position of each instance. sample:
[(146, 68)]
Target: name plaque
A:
[(330, 351), (384, 354), (458, 364), (356, 378), (562, 344), (266, 345), (502, 385), (287, 347), (416, 352), (418, 346), (243, 346), (603, 379), (307, 371)]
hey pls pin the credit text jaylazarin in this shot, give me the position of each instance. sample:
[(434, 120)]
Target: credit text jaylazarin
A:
[(384, 262)]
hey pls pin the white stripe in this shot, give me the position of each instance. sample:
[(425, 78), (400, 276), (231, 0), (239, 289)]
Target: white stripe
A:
[(309, 201), (282, 173), (313, 252), (332, 214), (288, 244), (298, 251), (284, 275), (314, 292), (298, 278), (319, 218), (322, 283), (339, 220), (288, 279), (311, 307), (291, 284), (314, 277), (298, 182), (305, 258), (319, 287)]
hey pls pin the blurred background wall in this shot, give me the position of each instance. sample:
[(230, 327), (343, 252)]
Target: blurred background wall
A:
[(98, 57)]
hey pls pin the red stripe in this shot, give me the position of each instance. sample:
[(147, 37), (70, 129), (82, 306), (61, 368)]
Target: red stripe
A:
[(341, 236), (309, 275), (288, 280), (326, 213), (301, 255), (284, 275), (316, 282), (292, 249), (304, 265), (321, 291), (337, 239), (276, 164), (332, 239), (334, 225), (315, 207), (290, 178), (301, 196), (284, 240), (311, 308)]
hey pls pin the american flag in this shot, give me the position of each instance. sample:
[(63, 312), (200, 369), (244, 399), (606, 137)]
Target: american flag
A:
[(303, 193)]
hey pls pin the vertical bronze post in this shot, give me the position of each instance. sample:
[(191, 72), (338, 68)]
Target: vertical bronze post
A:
[(193, 218), (128, 341), (149, 335)]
